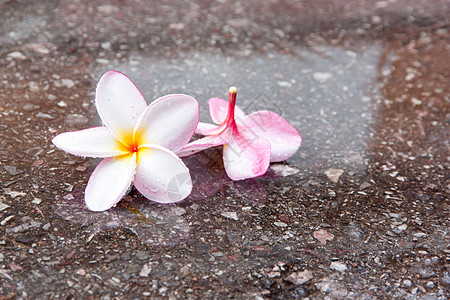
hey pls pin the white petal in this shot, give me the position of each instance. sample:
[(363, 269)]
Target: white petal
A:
[(161, 176), (119, 104), (109, 182), (92, 142), (169, 121)]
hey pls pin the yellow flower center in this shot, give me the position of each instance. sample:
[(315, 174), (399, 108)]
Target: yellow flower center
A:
[(129, 144)]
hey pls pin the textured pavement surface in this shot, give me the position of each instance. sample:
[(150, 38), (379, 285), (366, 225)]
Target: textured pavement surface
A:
[(359, 212)]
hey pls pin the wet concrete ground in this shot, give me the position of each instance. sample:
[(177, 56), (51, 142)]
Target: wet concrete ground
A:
[(359, 212)]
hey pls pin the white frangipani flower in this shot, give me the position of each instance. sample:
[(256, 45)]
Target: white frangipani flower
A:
[(138, 144)]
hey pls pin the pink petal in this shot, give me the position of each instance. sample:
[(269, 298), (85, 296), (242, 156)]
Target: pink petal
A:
[(205, 128), (246, 156), (218, 109), (205, 143), (161, 176), (169, 121), (92, 142), (119, 104), (109, 182), (283, 137), (210, 129)]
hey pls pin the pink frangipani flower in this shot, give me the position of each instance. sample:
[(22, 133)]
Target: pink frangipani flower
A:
[(250, 142), (138, 144)]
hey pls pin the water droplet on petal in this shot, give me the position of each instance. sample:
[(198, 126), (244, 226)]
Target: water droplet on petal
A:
[(154, 190), (278, 140)]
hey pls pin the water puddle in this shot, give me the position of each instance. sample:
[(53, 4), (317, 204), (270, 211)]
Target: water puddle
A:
[(325, 92)]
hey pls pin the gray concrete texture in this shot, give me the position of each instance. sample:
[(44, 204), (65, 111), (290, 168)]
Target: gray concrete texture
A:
[(359, 212)]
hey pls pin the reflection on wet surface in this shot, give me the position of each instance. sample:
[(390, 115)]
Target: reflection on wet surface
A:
[(360, 211), (154, 224), (326, 94)]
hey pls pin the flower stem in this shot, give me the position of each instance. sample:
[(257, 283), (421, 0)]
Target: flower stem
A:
[(231, 104)]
